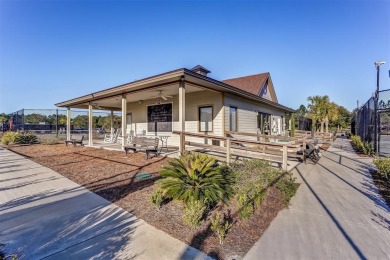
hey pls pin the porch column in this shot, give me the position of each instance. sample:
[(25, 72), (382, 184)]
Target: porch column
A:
[(112, 122), (182, 113), (68, 123), (124, 124), (90, 125)]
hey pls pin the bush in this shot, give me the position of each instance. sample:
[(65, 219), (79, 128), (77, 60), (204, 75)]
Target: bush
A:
[(9, 137), (220, 225), (287, 187), (48, 140), (157, 198), (193, 213), (368, 148), (253, 178), (196, 176), (383, 166), (27, 138)]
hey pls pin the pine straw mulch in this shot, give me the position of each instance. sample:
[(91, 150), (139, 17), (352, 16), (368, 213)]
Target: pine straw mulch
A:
[(110, 174), (383, 185)]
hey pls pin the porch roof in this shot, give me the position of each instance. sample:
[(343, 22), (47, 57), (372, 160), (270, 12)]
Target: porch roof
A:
[(167, 79)]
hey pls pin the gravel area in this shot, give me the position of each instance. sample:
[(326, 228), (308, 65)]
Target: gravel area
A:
[(111, 175)]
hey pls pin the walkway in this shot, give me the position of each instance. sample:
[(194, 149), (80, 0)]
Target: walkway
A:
[(45, 215), (337, 213)]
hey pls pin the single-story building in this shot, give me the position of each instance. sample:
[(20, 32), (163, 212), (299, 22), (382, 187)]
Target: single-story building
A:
[(191, 101)]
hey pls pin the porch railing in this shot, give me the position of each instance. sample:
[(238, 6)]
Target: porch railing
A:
[(275, 152)]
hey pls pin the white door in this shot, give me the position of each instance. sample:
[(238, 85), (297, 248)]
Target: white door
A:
[(128, 123)]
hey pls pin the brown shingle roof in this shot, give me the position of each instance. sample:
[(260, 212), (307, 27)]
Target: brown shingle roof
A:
[(251, 84)]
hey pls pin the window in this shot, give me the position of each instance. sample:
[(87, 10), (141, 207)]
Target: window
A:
[(159, 118), (233, 119), (206, 119), (263, 122)]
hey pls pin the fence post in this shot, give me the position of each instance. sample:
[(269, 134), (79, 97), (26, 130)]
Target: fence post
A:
[(182, 145), (284, 158), (57, 123), (228, 151)]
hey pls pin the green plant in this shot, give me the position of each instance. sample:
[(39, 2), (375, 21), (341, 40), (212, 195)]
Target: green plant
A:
[(193, 213), (368, 148), (287, 187), (196, 176), (26, 138), (292, 126), (253, 178), (9, 137), (246, 206), (157, 198), (220, 225), (383, 166)]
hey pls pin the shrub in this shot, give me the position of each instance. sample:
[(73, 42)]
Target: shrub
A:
[(193, 213), (196, 176), (287, 187), (48, 140), (9, 137), (157, 198), (368, 148), (383, 166), (26, 138), (220, 225), (253, 178)]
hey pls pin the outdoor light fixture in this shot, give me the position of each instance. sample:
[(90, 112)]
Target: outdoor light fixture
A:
[(140, 102)]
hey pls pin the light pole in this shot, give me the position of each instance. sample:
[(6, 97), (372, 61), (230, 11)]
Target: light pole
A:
[(376, 139)]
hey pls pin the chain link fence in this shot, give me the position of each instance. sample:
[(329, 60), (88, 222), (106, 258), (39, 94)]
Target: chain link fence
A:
[(364, 122), (53, 122)]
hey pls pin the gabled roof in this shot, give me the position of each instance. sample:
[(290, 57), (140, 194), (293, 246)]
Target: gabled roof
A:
[(254, 84), (251, 84)]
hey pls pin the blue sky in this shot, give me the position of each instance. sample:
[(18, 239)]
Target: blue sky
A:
[(51, 51)]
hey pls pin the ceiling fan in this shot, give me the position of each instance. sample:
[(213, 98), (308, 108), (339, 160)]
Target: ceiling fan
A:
[(95, 105), (161, 95)]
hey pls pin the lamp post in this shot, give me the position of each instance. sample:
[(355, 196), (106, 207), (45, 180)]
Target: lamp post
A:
[(376, 139)]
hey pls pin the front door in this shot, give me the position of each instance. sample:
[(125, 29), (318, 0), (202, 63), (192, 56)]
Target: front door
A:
[(128, 123)]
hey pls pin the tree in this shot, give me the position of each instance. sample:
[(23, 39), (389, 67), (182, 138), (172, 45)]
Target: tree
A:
[(301, 111), (318, 107)]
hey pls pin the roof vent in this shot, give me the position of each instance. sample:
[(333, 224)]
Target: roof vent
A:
[(200, 70)]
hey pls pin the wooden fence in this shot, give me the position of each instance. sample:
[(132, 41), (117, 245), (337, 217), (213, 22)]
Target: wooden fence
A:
[(277, 152)]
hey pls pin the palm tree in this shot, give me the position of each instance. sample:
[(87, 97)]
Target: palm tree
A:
[(196, 177), (318, 108)]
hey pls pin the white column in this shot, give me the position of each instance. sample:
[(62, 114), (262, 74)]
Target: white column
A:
[(90, 125), (68, 123), (112, 122), (182, 114), (124, 124)]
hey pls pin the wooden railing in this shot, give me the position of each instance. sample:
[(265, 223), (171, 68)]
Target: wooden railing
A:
[(276, 152)]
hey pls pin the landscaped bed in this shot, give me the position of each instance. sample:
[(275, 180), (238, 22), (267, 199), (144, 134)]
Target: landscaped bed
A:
[(112, 175)]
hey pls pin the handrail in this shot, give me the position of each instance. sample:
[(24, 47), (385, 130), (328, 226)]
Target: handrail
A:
[(262, 135), (229, 140)]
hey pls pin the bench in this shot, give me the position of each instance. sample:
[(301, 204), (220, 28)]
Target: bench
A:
[(138, 143), (75, 141)]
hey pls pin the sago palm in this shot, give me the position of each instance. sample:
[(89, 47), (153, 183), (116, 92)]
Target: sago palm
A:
[(196, 176)]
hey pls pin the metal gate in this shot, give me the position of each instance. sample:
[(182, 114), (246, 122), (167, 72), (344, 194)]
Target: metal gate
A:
[(384, 123)]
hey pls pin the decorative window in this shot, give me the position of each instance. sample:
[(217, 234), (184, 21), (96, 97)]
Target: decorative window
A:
[(160, 118), (206, 119), (233, 119)]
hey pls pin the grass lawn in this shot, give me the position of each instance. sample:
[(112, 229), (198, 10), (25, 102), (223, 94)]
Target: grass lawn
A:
[(111, 175)]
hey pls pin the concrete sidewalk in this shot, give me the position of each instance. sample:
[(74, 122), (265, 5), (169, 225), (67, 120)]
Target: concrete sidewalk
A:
[(45, 215), (337, 213)]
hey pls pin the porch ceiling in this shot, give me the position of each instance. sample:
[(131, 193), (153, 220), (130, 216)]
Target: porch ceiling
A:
[(115, 103)]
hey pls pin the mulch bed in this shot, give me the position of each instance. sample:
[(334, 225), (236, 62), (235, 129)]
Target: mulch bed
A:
[(383, 185), (111, 175)]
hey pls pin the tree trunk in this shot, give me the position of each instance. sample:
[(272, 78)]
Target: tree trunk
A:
[(326, 124), (322, 126)]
